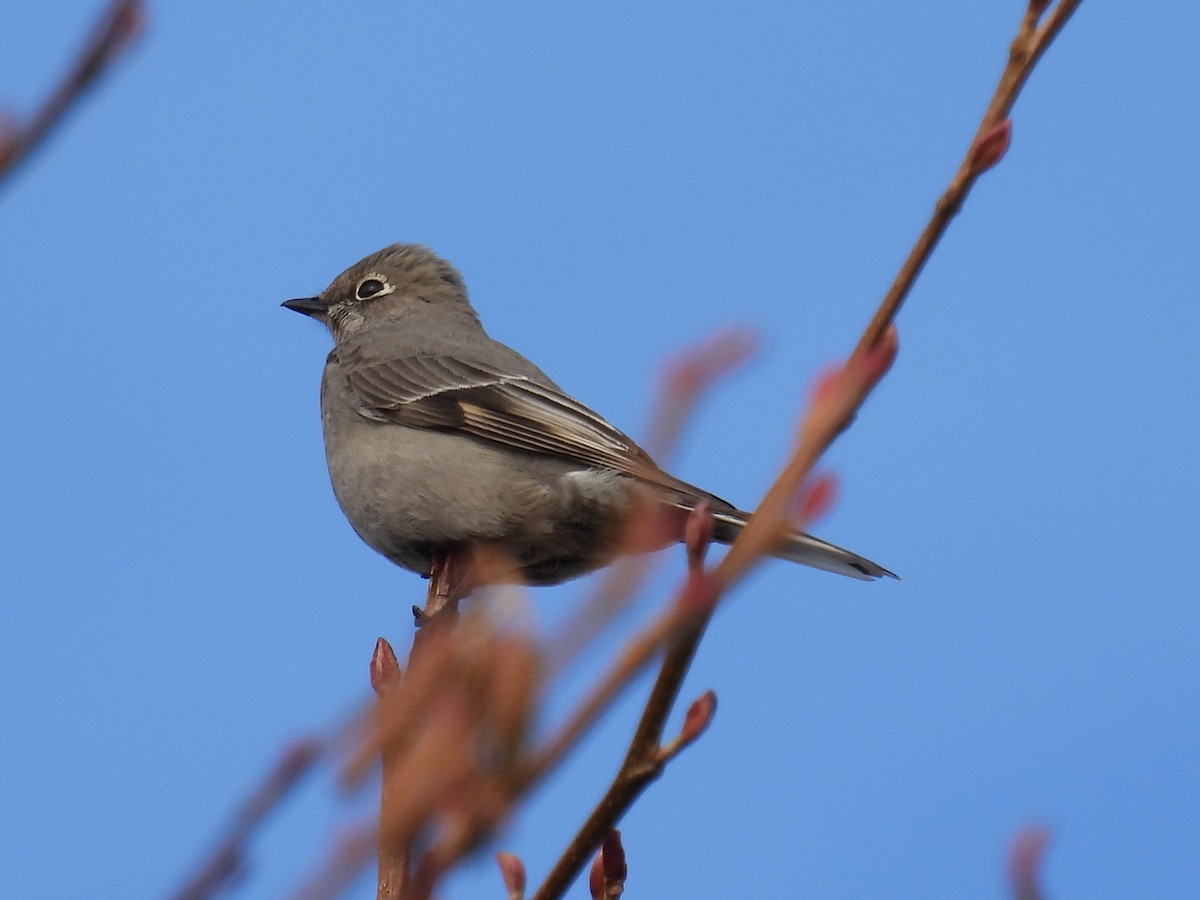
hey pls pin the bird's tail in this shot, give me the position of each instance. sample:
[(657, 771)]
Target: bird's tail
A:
[(804, 549)]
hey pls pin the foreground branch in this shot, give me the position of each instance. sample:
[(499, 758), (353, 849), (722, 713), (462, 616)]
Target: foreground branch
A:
[(227, 862)]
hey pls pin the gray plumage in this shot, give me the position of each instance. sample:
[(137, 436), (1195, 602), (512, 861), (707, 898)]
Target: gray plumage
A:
[(439, 438)]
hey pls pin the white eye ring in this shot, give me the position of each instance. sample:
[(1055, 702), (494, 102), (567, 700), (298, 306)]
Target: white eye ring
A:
[(372, 286)]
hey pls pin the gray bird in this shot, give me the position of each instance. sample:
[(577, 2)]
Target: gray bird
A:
[(439, 439)]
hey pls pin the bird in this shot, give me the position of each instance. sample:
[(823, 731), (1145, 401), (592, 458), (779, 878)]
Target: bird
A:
[(440, 439)]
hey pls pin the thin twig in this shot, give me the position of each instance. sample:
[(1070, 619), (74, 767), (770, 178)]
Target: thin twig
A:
[(642, 764), (1031, 42), (112, 35), (393, 857), (1025, 860), (634, 657)]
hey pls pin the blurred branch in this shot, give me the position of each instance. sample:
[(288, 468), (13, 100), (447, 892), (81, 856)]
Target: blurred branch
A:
[(688, 376), (227, 862), (1025, 860), (113, 34), (349, 854)]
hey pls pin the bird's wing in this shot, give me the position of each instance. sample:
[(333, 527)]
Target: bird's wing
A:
[(445, 393)]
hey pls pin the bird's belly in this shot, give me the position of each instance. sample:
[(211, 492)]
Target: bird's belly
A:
[(409, 493)]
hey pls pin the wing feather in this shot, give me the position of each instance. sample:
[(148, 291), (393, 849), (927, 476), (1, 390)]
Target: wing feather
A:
[(449, 394)]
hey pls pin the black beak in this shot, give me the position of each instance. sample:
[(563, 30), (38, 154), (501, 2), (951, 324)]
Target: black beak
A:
[(310, 306)]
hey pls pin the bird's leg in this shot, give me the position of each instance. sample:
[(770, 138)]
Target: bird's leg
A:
[(446, 583)]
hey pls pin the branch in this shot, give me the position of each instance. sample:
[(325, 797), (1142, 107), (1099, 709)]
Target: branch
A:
[(1025, 859), (393, 857), (347, 856), (838, 401), (227, 862), (113, 34), (833, 407), (990, 142), (645, 758)]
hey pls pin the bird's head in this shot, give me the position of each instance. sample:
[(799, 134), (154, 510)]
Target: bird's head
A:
[(398, 282)]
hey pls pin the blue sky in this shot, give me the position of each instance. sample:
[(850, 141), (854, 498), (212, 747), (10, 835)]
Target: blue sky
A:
[(181, 595)]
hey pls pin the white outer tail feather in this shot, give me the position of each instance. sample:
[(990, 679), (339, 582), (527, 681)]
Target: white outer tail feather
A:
[(807, 550)]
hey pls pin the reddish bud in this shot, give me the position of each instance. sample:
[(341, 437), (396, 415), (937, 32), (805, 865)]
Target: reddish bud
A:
[(596, 877), (815, 500), (699, 717), (991, 146), (880, 355), (698, 366), (874, 362), (385, 668), (1037, 7), (607, 876), (829, 385), (613, 854), (512, 870), (1025, 862)]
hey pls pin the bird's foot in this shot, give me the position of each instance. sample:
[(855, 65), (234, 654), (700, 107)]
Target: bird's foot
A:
[(444, 592)]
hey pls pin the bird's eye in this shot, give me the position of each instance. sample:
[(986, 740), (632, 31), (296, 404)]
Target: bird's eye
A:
[(371, 286)]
